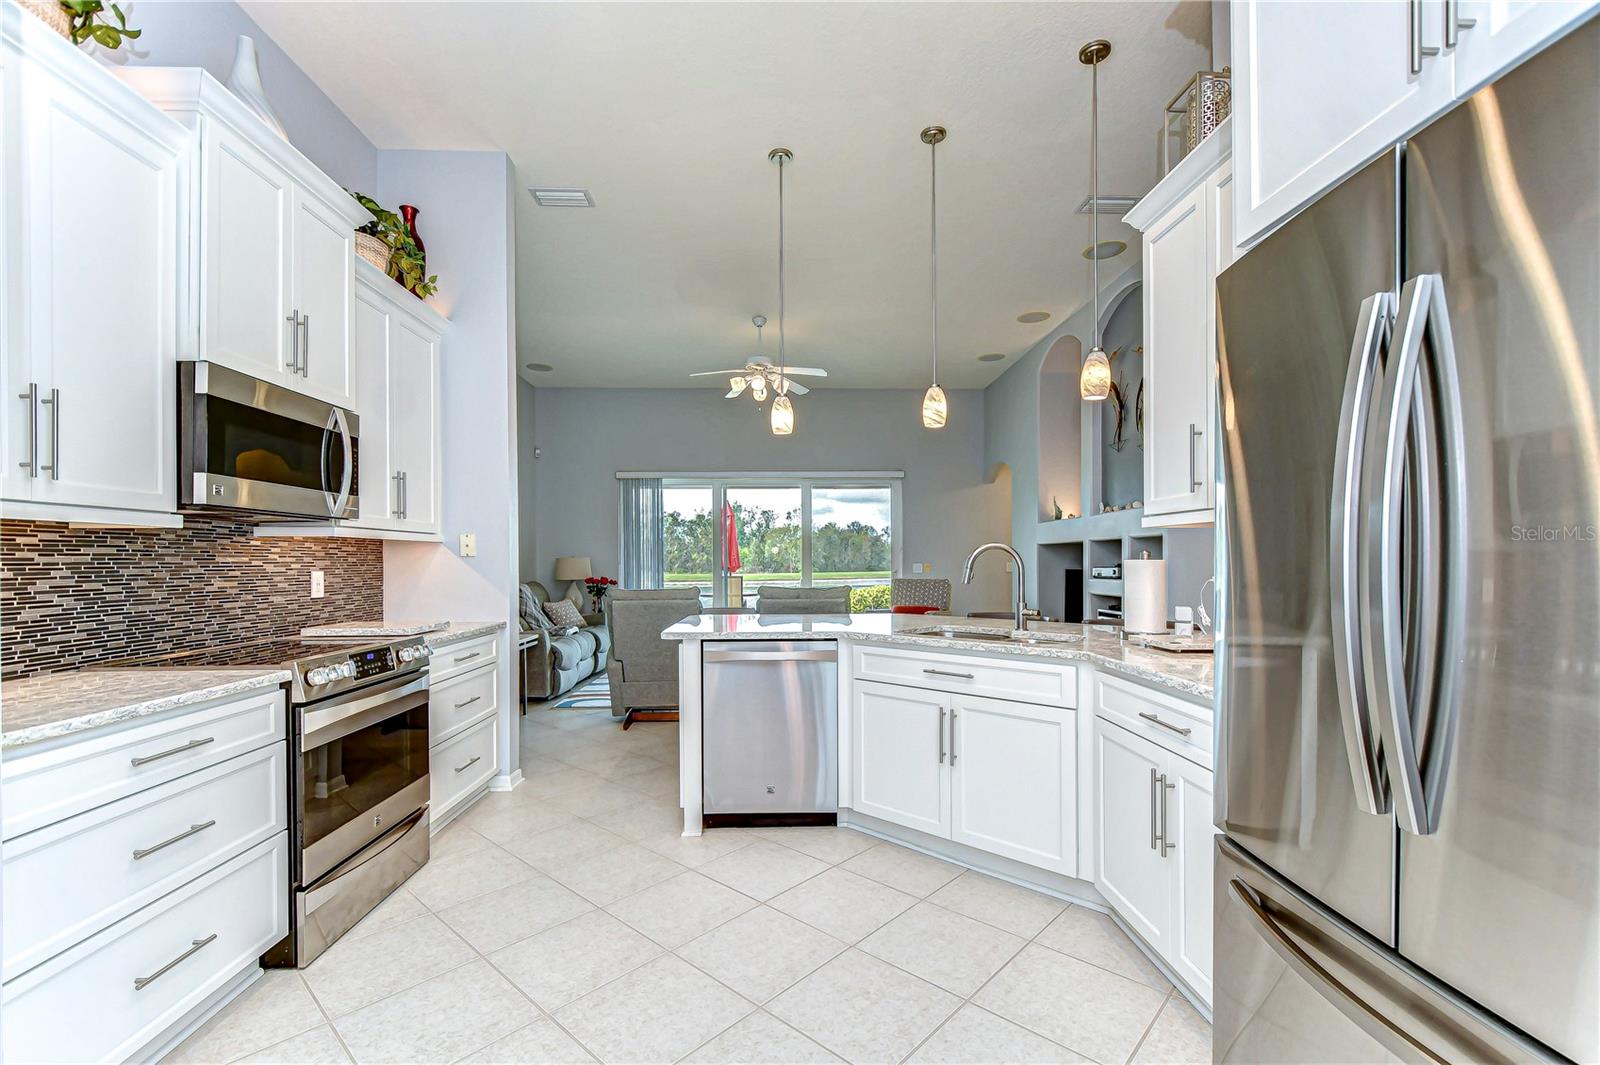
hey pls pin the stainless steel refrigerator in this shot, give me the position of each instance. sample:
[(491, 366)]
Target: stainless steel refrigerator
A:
[(1408, 767)]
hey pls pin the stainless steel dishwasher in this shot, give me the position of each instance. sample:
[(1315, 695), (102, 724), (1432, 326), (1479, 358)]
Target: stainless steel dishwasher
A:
[(771, 731)]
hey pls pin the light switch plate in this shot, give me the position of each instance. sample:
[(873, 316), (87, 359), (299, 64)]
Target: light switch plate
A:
[(469, 545), (318, 584)]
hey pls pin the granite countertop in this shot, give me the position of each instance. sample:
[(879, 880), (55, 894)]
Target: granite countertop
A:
[(437, 633), (1185, 674), (51, 705)]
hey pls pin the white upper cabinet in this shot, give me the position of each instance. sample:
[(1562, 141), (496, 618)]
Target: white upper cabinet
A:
[(1188, 239), (92, 177), (1321, 88), (1502, 33), (270, 287)]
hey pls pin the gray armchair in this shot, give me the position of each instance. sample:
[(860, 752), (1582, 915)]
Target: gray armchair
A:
[(559, 660), (644, 667), (784, 599)]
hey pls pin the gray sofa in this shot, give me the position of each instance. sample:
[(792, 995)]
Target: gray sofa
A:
[(560, 660), (783, 599), (644, 667)]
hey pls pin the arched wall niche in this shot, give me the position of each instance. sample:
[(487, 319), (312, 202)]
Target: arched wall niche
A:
[(1060, 429)]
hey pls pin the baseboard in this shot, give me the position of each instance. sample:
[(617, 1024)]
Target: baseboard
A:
[(167, 1041), (437, 826), (508, 782)]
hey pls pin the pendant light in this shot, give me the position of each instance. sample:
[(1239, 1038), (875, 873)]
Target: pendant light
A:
[(782, 408), (1094, 382), (935, 407)]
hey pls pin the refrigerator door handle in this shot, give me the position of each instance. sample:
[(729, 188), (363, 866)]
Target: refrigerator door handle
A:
[(1362, 1013), (1428, 398), (1344, 520)]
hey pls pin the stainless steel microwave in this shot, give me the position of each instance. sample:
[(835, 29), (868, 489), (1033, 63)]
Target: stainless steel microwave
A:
[(246, 445)]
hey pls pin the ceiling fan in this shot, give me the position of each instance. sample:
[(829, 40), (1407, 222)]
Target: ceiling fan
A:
[(760, 375)]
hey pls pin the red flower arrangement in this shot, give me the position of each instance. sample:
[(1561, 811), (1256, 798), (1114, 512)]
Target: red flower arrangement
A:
[(598, 586)]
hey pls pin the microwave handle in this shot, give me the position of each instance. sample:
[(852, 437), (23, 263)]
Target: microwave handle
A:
[(348, 479)]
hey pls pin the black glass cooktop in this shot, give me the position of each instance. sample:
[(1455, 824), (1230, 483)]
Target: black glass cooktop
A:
[(278, 651)]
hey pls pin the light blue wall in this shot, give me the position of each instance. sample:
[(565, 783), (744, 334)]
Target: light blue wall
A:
[(527, 534), (1011, 424), (587, 436), (202, 34)]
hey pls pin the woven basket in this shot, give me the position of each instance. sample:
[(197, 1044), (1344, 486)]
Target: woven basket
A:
[(51, 13), (373, 249)]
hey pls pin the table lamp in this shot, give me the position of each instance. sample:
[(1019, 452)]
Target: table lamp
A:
[(574, 568)]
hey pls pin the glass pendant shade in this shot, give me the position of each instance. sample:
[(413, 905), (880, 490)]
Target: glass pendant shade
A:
[(1094, 382), (935, 408), (758, 389), (782, 416)]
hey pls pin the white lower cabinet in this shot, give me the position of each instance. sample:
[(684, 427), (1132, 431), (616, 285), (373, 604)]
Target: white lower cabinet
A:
[(146, 871), (459, 767), (1154, 848), (463, 726), (988, 773)]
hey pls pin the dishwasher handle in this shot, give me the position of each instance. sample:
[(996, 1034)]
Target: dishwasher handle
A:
[(720, 655)]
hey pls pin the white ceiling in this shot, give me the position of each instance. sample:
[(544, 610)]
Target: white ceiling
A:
[(665, 112)]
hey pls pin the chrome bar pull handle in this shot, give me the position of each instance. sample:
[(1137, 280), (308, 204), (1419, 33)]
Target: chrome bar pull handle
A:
[(467, 702), (941, 735), (195, 945), (948, 673), (294, 341), (1344, 538), (474, 760), (467, 658), (405, 494), (145, 852), (32, 398), (1155, 835), (1414, 46), (1454, 23), (1194, 476), (305, 345), (1166, 831), (191, 745), (54, 403), (395, 511), (952, 738), (1179, 729)]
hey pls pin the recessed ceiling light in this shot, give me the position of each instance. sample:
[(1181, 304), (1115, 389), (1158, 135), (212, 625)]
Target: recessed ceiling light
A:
[(993, 356), (548, 197), (1107, 204), (1029, 317), (538, 367), (1106, 249)]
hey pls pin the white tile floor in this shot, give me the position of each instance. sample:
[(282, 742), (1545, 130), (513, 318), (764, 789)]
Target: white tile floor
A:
[(568, 921)]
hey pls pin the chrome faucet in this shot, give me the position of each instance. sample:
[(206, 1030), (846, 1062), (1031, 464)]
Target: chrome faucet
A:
[(1022, 585)]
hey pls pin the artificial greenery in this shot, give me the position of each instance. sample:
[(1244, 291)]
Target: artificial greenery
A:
[(89, 22), (406, 261)]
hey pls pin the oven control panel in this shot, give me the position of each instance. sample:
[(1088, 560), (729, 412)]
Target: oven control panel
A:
[(372, 663), (362, 664)]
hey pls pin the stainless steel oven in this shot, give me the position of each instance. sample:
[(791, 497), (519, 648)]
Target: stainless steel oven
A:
[(249, 445), (360, 806)]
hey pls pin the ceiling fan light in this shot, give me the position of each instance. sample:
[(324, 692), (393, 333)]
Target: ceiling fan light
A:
[(736, 385), (1094, 381), (935, 408), (782, 416), (758, 388)]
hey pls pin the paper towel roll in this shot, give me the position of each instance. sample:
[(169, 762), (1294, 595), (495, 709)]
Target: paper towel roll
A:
[(1144, 594)]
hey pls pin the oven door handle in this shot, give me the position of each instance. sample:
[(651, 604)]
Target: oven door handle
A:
[(361, 857), (324, 723)]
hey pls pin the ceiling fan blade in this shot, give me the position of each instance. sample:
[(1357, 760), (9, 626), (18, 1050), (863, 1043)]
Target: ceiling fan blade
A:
[(794, 388), (736, 386), (718, 373), (805, 371)]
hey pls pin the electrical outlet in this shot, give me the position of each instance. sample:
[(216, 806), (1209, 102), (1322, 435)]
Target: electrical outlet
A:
[(318, 584), (469, 545)]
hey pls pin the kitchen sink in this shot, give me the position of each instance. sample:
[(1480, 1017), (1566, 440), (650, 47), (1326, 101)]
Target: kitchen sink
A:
[(998, 637)]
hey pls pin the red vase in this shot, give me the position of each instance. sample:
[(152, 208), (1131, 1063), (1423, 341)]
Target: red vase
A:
[(409, 214)]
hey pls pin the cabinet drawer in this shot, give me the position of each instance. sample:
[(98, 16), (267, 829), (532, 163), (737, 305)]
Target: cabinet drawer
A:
[(460, 766), (68, 881), (1181, 727), (460, 701), (1023, 680), (45, 786), (84, 1005), (457, 658)]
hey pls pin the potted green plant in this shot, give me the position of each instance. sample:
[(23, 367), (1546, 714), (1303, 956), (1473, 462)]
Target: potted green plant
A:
[(405, 260), (85, 20)]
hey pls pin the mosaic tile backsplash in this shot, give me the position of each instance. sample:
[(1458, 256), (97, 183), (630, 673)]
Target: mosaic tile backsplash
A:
[(76, 597)]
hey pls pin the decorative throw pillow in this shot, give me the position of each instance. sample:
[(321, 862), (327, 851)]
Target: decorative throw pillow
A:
[(563, 612)]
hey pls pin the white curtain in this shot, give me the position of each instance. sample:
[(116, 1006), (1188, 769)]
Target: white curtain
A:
[(643, 550)]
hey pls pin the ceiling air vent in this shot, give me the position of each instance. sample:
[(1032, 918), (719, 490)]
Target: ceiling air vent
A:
[(562, 197), (1107, 205)]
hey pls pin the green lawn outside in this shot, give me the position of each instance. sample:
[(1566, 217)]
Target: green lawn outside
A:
[(705, 578)]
